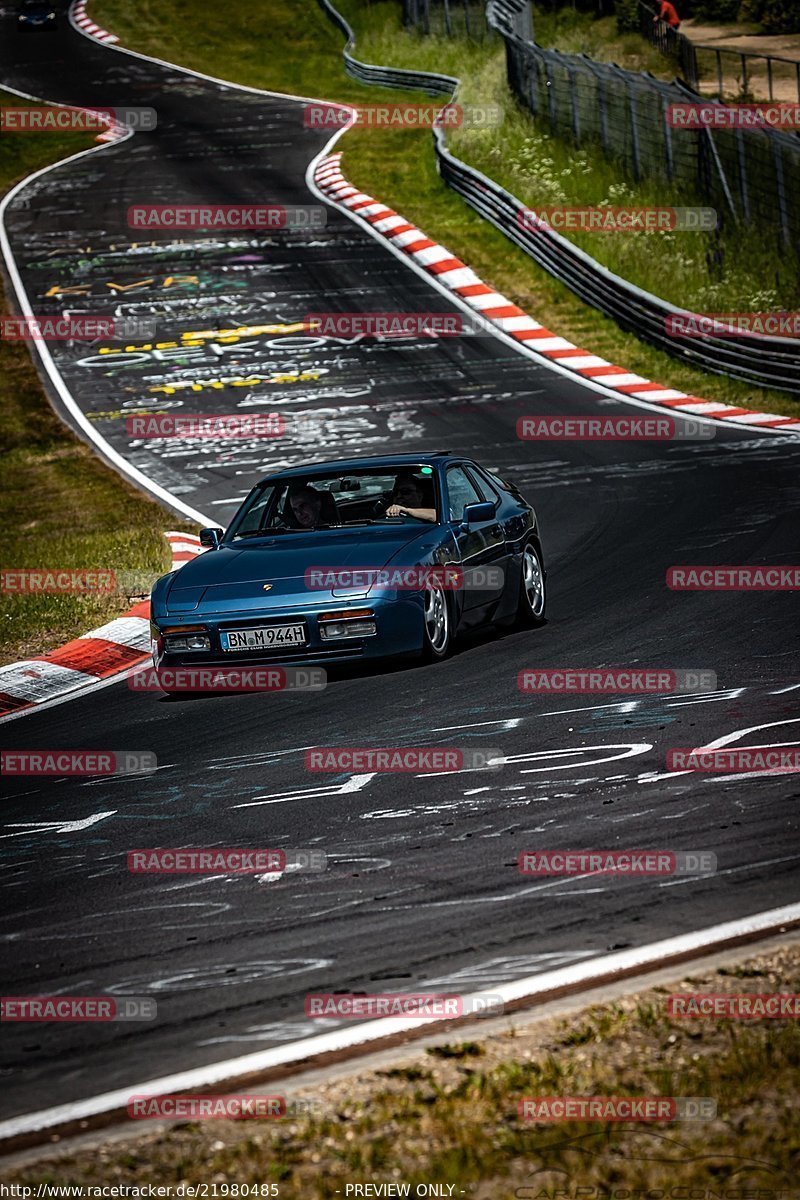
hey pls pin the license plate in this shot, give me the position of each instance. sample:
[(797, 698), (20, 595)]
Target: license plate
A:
[(265, 638)]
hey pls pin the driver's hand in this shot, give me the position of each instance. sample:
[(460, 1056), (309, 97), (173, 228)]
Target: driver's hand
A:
[(395, 510)]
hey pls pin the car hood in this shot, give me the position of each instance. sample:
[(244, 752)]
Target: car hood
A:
[(233, 577)]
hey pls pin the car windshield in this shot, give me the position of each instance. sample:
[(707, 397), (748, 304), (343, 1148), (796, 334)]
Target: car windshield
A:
[(326, 500)]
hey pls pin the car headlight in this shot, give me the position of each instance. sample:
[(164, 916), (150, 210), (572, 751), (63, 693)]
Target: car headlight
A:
[(352, 623), (187, 637), (193, 641)]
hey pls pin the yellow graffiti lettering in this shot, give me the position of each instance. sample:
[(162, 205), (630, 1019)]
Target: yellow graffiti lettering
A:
[(83, 290), (129, 287), (173, 280)]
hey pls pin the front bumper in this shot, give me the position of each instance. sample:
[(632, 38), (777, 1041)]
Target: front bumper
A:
[(399, 624)]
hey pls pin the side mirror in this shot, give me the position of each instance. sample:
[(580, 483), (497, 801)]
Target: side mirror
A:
[(210, 537), (474, 514)]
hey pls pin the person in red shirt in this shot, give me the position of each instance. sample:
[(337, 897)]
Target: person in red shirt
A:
[(669, 13)]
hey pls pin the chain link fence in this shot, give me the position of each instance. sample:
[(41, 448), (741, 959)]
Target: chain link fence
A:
[(750, 175)]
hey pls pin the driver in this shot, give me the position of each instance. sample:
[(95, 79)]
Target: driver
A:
[(408, 501)]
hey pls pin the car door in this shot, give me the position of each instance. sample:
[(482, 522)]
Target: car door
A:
[(479, 546)]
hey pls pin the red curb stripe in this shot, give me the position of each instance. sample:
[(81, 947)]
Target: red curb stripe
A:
[(609, 370), (576, 353), (447, 264), (535, 334), (423, 243), (390, 233), (384, 216), (93, 656), (505, 310), (473, 289), (628, 388)]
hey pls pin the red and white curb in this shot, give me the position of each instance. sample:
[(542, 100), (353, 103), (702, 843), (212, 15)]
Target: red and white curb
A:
[(509, 319), (110, 650), (79, 17)]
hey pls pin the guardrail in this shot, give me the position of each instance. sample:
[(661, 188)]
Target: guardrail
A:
[(765, 361)]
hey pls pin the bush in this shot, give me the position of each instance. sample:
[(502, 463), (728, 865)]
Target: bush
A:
[(717, 12), (627, 16), (781, 16)]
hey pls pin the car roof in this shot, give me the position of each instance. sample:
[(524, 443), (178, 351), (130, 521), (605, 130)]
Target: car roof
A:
[(375, 460)]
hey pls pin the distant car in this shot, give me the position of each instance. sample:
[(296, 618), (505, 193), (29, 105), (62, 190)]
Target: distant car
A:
[(36, 15), (354, 580)]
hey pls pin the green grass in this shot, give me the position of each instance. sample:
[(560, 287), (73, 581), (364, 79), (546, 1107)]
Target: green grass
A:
[(397, 166), (451, 1115), (60, 507)]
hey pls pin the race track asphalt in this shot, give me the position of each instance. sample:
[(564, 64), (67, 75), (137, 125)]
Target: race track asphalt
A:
[(422, 888)]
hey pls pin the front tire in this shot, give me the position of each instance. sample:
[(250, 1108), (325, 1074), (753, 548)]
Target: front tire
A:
[(438, 624)]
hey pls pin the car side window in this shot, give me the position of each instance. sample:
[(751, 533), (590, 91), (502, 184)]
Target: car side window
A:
[(460, 492), (483, 486)]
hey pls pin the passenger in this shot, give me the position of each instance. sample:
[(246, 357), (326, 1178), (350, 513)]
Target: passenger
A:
[(306, 505)]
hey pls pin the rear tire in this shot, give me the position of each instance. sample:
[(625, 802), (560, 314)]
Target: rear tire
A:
[(438, 624), (532, 597)]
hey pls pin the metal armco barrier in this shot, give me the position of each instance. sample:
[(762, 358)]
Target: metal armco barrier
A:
[(763, 361)]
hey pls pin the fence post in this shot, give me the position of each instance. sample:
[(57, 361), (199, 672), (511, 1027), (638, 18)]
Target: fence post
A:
[(721, 173), (719, 74), (744, 74), (743, 191), (447, 25), (769, 76), (781, 191), (667, 139), (637, 166), (551, 95), (601, 104), (576, 121)]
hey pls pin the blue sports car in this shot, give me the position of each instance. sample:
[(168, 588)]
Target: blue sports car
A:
[(36, 14), (358, 559)]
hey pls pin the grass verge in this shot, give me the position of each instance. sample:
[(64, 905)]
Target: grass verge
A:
[(449, 1115), (398, 167), (60, 507)]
